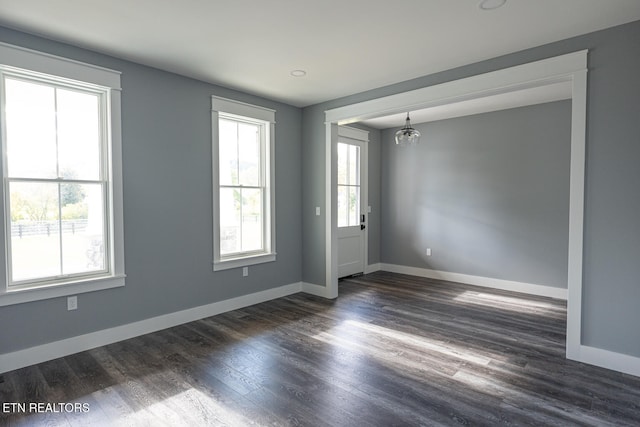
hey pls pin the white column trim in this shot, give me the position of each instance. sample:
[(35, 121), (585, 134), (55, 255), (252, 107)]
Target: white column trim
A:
[(610, 360)]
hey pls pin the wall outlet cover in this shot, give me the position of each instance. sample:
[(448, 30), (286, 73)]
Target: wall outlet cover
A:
[(72, 303)]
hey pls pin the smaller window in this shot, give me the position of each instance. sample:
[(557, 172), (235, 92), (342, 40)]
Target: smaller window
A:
[(243, 184)]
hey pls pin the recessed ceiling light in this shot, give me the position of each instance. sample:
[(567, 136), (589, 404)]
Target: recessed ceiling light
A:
[(491, 4), (298, 73)]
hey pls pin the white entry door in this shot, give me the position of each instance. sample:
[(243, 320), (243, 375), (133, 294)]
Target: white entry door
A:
[(352, 194)]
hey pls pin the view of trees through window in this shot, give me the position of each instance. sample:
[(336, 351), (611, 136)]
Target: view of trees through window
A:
[(241, 187), (54, 180)]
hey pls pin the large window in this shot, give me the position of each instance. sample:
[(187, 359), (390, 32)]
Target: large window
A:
[(62, 227), (243, 190)]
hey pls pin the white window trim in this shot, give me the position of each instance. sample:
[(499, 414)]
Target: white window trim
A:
[(230, 107), (34, 63)]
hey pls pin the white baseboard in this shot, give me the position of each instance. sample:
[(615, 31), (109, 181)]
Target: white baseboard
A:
[(610, 360), (317, 290), (508, 285), (42, 353), (372, 268)]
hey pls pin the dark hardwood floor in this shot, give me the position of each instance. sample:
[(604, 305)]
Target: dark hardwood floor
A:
[(391, 350)]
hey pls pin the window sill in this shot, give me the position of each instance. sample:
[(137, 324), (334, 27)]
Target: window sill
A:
[(60, 290), (228, 264)]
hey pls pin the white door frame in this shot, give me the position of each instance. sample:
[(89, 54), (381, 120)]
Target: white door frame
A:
[(571, 68), (361, 136)]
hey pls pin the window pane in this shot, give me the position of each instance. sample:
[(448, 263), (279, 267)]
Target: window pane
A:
[(249, 153), (228, 152), (78, 134), (31, 129), (83, 238), (354, 165), (251, 219), (354, 205), (343, 206), (348, 185), (343, 164), (35, 238), (230, 234)]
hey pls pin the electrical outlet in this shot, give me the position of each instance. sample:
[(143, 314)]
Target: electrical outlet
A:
[(72, 303), (317, 210), (428, 251), (245, 271)]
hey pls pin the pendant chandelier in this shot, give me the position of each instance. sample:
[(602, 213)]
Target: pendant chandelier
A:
[(407, 135)]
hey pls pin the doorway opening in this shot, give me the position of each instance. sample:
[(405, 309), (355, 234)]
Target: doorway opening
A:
[(569, 69)]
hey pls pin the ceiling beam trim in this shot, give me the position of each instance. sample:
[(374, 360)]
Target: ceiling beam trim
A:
[(534, 74)]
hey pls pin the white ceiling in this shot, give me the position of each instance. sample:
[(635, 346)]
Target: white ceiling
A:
[(346, 46)]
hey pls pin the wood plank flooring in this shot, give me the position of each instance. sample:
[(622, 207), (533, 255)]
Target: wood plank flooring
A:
[(391, 350)]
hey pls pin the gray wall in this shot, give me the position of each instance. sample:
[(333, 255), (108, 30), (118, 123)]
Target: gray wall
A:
[(313, 226), (488, 193), (611, 288), (166, 136)]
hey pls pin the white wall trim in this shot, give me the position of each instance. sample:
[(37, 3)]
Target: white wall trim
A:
[(47, 64), (317, 290), (610, 360), (353, 133), (485, 282), (242, 109), (42, 353), (576, 212), (372, 268), (331, 219), (533, 74)]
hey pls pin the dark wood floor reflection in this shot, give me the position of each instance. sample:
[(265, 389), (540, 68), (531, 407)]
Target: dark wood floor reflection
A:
[(391, 350)]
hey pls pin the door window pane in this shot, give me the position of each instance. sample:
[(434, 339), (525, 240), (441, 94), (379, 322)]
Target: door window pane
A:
[(348, 185), (354, 206), (354, 165), (343, 206), (343, 164)]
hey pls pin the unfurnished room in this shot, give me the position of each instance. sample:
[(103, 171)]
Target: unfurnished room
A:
[(329, 213)]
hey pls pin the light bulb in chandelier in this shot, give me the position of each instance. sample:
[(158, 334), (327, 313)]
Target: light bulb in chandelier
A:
[(407, 135)]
